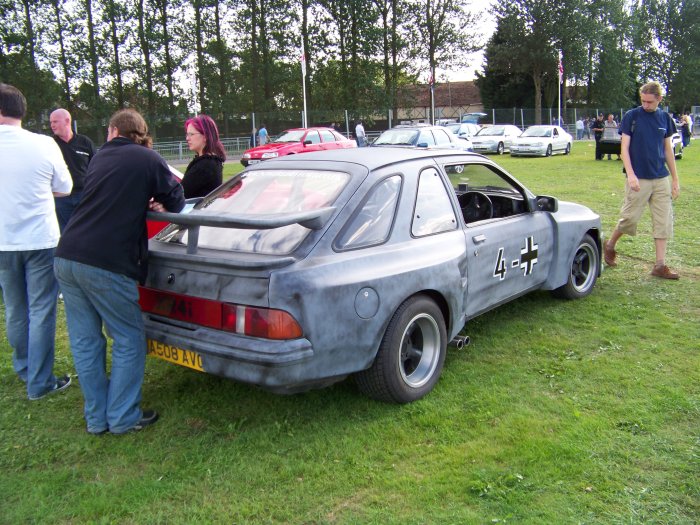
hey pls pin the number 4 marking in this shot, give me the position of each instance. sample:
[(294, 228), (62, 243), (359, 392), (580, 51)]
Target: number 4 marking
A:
[(500, 269)]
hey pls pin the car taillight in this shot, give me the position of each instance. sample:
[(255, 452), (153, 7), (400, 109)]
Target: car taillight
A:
[(252, 321)]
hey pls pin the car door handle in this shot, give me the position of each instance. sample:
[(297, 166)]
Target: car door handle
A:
[(479, 238)]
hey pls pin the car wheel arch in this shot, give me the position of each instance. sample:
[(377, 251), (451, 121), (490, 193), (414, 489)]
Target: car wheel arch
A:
[(411, 354)]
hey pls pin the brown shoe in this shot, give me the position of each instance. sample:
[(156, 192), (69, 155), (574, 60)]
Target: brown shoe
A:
[(664, 272), (609, 254)]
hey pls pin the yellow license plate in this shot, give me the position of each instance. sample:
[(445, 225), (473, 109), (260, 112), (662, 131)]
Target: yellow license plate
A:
[(173, 354)]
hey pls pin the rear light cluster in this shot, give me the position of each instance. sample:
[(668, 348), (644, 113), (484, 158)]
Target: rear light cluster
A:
[(244, 320)]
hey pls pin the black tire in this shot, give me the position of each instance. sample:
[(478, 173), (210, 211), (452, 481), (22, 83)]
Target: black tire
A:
[(568, 148), (411, 355), (549, 151), (500, 149), (583, 274)]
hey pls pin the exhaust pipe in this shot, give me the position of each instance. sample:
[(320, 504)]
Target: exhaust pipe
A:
[(460, 341)]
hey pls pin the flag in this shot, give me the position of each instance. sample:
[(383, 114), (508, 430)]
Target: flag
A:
[(561, 69)]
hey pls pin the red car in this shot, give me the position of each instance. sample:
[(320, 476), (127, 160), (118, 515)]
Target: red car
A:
[(298, 140)]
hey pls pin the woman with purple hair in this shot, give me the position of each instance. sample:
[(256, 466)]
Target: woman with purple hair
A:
[(204, 173)]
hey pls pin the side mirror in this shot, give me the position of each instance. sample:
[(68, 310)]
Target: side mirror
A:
[(307, 142), (546, 203), (422, 145)]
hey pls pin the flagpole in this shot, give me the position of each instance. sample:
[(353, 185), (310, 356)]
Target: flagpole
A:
[(560, 71), (303, 81)]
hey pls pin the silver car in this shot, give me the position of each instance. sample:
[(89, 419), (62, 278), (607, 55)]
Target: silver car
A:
[(542, 140), (303, 270), (495, 139)]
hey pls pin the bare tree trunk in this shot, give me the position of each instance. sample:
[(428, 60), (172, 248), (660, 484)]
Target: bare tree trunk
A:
[(203, 106), (169, 66), (146, 50), (62, 55), (92, 51), (112, 15)]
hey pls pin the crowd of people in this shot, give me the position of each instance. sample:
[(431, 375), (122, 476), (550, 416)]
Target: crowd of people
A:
[(63, 200)]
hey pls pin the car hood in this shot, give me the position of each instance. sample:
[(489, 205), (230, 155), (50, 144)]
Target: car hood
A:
[(272, 146)]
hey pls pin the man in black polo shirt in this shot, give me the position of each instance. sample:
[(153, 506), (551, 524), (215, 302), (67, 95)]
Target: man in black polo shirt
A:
[(77, 151)]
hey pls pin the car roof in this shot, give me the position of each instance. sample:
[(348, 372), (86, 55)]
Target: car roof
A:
[(370, 157), (421, 125), (307, 129)]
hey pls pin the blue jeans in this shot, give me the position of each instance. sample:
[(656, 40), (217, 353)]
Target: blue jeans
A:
[(29, 290), (65, 206), (94, 296)]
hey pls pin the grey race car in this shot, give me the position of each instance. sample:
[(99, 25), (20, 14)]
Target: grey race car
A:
[(302, 271)]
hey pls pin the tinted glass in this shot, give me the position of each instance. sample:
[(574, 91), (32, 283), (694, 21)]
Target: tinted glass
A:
[(372, 223), (258, 193)]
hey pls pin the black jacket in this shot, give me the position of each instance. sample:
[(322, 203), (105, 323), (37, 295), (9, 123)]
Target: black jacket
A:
[(204, 173), (108, 228)]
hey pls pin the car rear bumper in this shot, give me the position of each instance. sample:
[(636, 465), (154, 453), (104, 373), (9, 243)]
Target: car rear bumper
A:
[(273, 365)]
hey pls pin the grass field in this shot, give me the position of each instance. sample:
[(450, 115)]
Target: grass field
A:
[(558, 412)]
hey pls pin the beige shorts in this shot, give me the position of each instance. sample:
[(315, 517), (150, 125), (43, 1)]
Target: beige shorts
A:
[(656, 193)]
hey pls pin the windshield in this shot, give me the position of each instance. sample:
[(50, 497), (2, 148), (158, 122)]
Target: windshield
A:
[(293, 135), (491, 131), (397, 137), (454, 128), (258, 194), (537, 131)]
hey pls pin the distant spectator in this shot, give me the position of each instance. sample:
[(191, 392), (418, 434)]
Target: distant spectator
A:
[(597, 127), (580, 126), (262, 136), (610, 123), (686, 129), (205, 171), (360, 136), (33, 173)]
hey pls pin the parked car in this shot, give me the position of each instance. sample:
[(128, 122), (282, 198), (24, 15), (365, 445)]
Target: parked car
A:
[(463, 129), (495, 139), (542, 140), (422, 136), (303, 270), (473, 117), (298, 140)]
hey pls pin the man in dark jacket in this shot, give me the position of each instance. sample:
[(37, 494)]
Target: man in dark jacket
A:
[(101, 257), (598, 126)]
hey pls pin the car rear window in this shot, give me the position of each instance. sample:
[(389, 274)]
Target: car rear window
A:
[(264, 193)]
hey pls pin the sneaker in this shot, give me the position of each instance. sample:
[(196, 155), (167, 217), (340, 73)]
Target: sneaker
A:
[(148, 417), (609, 255), (664, 272), (61, 384)]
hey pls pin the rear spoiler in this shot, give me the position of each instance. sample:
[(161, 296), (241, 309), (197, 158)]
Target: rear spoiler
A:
[(313, 220)]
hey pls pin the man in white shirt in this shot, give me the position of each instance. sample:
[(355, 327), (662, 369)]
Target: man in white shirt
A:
[(33, 172), (360, 136)]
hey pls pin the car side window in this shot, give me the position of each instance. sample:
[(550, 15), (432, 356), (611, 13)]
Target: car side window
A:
[(327, 136), (504, 198), (313, 137), (433, 212), (426, 137), (441, 137), (372, 222)]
